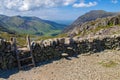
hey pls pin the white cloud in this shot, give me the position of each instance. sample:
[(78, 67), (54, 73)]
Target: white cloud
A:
[(25, 5), (68, 2), (83, 4), (114, 1)]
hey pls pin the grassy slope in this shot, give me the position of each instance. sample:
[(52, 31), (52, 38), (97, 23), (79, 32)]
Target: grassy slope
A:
[(31, 25)]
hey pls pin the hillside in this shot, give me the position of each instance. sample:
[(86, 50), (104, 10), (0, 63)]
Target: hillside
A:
[(100, 26), (92, 15), (30, 25)]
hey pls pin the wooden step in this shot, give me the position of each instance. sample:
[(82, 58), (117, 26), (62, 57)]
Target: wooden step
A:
[(25, 49), (25, 58), (28, 65)]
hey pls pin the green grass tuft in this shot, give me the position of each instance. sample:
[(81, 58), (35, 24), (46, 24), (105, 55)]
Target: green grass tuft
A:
[(108, 64)]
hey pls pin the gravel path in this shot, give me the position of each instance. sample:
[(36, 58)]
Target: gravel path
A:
[(100, 66)]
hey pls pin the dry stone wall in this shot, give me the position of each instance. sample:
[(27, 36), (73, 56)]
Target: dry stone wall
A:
[(53, 48), (7, 57)]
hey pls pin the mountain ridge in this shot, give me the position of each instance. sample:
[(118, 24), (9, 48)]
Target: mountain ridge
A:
[(30, 25), (89, 16), (101, 26)]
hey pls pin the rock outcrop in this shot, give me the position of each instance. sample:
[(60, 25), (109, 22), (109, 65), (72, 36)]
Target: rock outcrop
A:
[(96, 26), (94, 22)]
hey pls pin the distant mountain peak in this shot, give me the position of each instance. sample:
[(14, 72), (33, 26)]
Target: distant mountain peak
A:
[(93, 11), (89, 16)]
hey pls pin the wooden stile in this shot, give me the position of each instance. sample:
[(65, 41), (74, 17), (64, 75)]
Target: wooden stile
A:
[(22, 51)]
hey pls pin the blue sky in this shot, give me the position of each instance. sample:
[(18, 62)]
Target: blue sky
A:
[(64, 10)]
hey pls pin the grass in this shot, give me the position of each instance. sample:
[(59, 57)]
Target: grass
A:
[(108, 64), (52, 32), (86, 32), (21, 38), (50, 37)]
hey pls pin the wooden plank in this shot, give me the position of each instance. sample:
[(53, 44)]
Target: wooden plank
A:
[(23, 49), (28, 65), (26, 58)]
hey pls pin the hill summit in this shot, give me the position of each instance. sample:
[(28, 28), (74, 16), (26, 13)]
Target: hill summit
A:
[(89, 16), (93, 22)]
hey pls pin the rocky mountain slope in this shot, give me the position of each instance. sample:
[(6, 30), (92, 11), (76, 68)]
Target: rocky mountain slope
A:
[(99, 26), (90, 16), (30, 25)]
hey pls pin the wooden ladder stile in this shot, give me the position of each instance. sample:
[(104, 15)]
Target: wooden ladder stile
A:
[(18, 51)]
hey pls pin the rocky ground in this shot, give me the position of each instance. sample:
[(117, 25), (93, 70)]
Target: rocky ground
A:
[(99, 66)]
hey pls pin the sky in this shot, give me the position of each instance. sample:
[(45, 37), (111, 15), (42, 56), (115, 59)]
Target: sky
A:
[(61, 10)]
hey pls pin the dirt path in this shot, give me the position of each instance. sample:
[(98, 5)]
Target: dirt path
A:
[(99, 66)]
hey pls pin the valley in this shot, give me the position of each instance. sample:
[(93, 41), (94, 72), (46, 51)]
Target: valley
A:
[(29, 25)]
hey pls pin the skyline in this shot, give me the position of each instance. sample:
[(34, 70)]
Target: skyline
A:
[(56, 10)]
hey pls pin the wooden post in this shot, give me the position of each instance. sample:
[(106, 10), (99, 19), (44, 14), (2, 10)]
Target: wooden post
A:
[(28, 42), (14, 49), (13, 44), (29, 47)]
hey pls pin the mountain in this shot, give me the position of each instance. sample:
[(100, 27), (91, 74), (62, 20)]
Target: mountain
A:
[(101, 26), (92, 15), (30, 25), (3, 29)]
